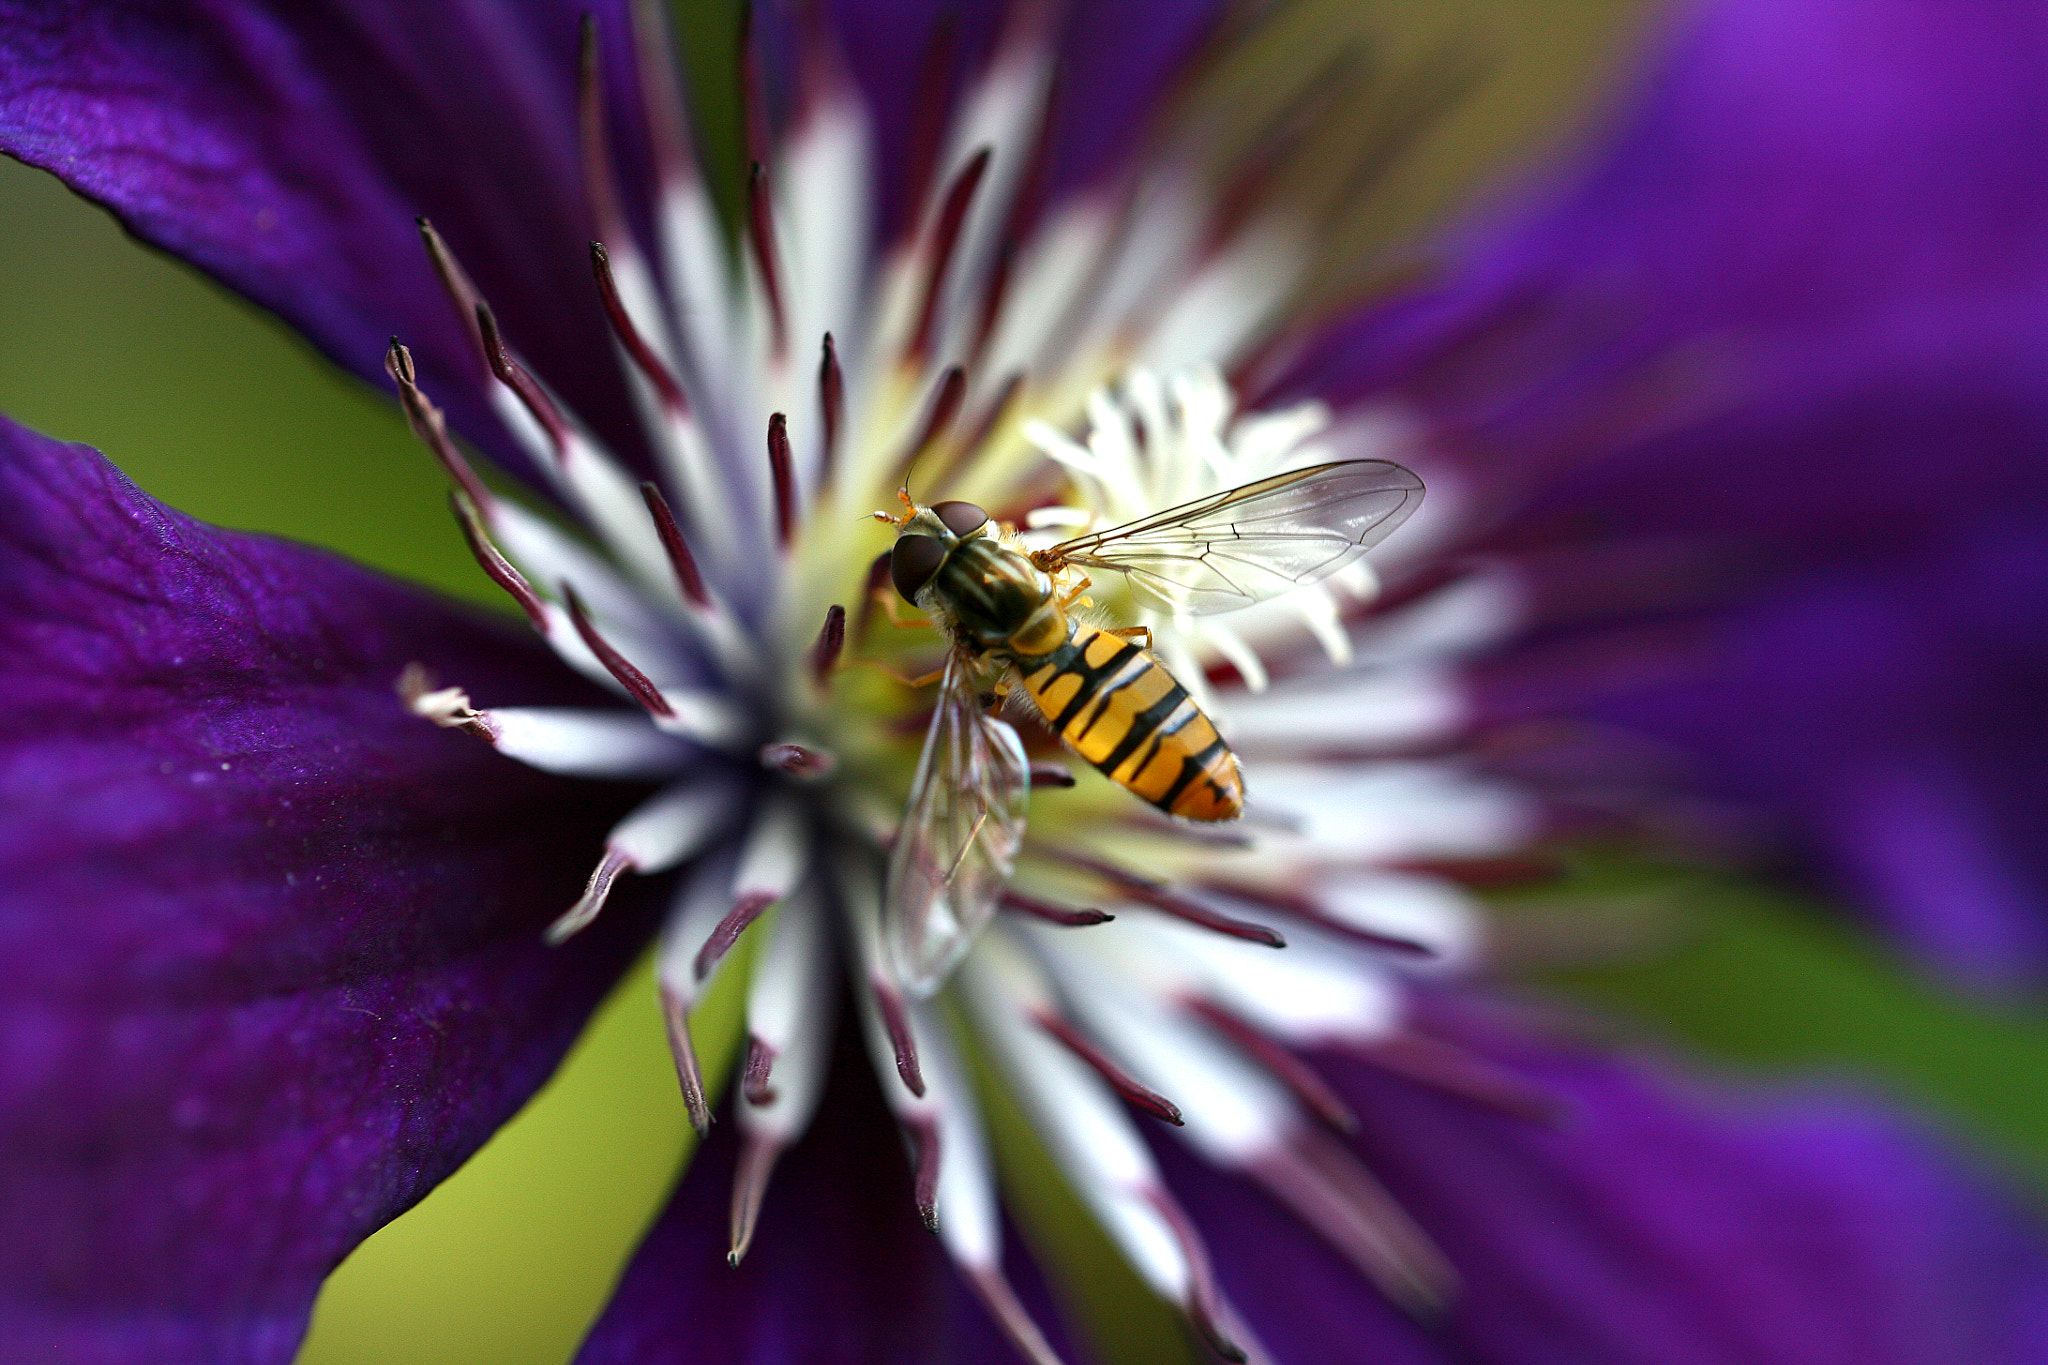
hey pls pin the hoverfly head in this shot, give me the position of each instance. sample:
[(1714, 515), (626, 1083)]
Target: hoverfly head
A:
[(925, 538), (963, 519), (913, 560)]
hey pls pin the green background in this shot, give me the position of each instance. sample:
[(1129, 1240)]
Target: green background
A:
[(218, 410)]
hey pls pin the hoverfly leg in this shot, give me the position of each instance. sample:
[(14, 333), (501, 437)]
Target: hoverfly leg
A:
[(1073, 594), (921, 681), (1142, 634)]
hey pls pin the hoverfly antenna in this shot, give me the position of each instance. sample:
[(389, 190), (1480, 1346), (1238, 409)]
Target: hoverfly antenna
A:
[(903, 491), (909, 509)]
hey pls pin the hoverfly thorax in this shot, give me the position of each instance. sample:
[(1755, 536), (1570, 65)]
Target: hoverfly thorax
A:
[(986, 589)]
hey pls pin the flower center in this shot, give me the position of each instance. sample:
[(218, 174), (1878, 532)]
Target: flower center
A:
[(1057, 365)]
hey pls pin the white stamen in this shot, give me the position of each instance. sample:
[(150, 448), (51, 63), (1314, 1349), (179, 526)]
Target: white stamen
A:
[(447, 707), (673, 824), (1079, 1118), (1390, 811), (822, 203), (703, 896), (587, 743), (548, 555), (1436, 914), (775, 855), (702, 716), (1232, 1109), (789, 1009)]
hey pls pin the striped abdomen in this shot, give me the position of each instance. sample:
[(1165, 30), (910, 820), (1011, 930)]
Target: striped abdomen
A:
[(1119, 708)]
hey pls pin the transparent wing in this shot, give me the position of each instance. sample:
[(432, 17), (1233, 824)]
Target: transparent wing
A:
[(1232, 549), (960, 833)]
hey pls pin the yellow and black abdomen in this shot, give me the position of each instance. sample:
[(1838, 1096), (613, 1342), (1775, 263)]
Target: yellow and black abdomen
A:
[(1119, 708)]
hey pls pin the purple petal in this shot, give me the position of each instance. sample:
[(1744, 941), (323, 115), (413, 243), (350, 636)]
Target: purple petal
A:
[(841, 1272), (1776, 353), (1644, 1227), (1784, 164), (287, 148), (1114, 61), (270, 947)]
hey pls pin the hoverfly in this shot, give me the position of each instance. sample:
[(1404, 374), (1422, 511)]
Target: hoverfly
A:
[(1005, 611)]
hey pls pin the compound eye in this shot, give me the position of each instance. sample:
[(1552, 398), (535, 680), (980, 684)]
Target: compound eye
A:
[(912, 563), (961, 518)]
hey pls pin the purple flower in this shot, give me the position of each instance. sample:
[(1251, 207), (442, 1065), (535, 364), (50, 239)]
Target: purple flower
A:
[(1757, 392), (292, 855)]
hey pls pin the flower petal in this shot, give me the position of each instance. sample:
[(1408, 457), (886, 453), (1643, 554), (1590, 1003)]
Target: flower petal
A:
[(270, 945), (287, 149), (1640, 1226), (840, 1270), (1755, 400), (1113, 62)]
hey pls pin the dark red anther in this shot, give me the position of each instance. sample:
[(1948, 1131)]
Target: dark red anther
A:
[(454, 279), (596, 891), (495, 566), (924, 1165), (1121, 1081), (744, 912), (754, 1080), (896, 1023), (992, 413), (995, 291), (1026, 201), (952, 387), (427, 424), (831, 640), (595, 138), (679, 557), (1321, 1179), (636, 683), (1048, 774), (1456, 1071), (642, 354), (872, 591), (676, 1016), (945, 240), (1298, 1076), (1152, 891), (469, 497), (1205, 1305), (1125, 878), (761, 237), (1249, 181), (514, 376), (1511, 869), (661, 93), (1072, 916), (800, 761), (832, 403), (1294, 903), (753, 99), (1194, 912), (784, 471), (928, 113)]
